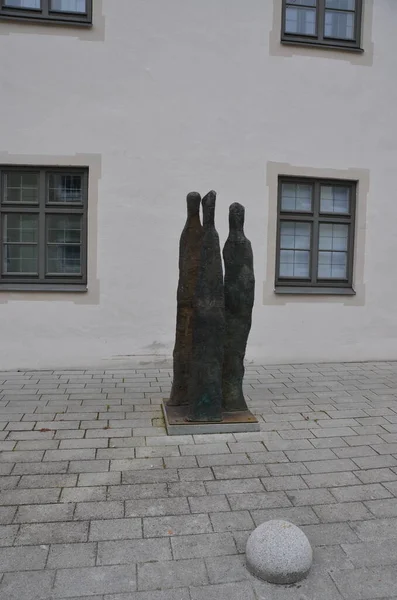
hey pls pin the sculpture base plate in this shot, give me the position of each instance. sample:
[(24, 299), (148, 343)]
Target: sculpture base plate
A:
[(232, 422)]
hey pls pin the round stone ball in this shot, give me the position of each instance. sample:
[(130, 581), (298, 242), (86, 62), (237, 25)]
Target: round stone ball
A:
[(279, 552)]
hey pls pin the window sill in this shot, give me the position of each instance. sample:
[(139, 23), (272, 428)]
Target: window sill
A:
[(320, 291), (44, 21), (43, 287), (323, 46)]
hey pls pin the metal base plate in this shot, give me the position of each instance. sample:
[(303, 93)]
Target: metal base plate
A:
[(232, 422)]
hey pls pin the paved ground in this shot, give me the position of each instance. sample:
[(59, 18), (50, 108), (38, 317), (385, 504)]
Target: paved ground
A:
[(97, 502)]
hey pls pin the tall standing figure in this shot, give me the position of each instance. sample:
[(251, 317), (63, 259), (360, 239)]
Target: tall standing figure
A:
[(205, 389), (239, 300), (189, 261)]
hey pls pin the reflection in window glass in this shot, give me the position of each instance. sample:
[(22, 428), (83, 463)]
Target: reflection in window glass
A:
[(339, 25), (334, 199), (65, 188), (21, 187), (300, 20), (23, 3), (72, 6), (296, 197)]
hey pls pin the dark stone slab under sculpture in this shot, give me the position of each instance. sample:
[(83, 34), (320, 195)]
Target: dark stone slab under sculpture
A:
[(239, 301), (189, 262), (213, 324)]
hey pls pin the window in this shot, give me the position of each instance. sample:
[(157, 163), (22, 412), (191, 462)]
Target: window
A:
[(334, 23), (315, 235), (77, 12), (43, 231)]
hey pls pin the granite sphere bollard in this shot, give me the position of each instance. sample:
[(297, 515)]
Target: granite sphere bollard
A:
[(279, 552)]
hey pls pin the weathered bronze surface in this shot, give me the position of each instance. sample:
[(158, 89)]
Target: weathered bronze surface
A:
[(205, 384), (189, 262), (239, 300)]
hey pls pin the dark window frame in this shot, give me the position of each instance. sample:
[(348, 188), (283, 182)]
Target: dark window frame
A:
[(43, 208), (46, 14), (314, 284), (318, 39)]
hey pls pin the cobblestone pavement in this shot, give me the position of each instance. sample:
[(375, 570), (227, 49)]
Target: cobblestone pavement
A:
[(97, 502)]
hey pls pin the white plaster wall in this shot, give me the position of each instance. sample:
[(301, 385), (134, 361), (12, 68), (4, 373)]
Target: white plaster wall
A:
[(183, 95)]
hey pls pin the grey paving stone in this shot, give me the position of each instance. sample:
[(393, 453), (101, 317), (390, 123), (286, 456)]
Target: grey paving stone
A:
[(7, 514), (235, 521), (176, 525), (29, 496), (38, 513), (251, 501), (79, 443), (115, 529), (296, 515), (224, 569), (285, 469), (36, 445), (234, 486), (156, 507), (47, 481), (197, 474), (309, 455), (224, 591), (178, 594), (179, 573), (288, 482), (127, 492), (40, 468), (206, 504), (383, 508), (324, 480), (27, 585), (22, 456), (23, 558), (52, 533), (151, 476), (88, 466), (203, 545), (392, 487), (83, 494), (266, 457), (333, 442), (363, 440), (371, 491), (157, 451), (377, 529), (71, 555), (94, 580), (180, 462), (310, 497), (95, 479), (186, 488), (329, 534), (366, 584), (200, 449), (8, 534), (59, 455), (373, 553), (134, 551), (375, 462), (8, 483), (354, 451), (330, 466), (347, 511), (240, 471), (99, 510)]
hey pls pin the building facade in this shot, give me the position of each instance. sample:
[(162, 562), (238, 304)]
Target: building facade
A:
[(112, 110)]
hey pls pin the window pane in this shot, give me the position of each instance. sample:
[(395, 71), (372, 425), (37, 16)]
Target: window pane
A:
[(23, 3), (64, 229), (333, 237), (20, 259), (341, 4), (332, 265), (21, 187), (295, 235), (296, 197), (65, 188), (73, 6), (335, 199), (64, 259), (294, 263), (20, 228), (300, 20), (339, 25)]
